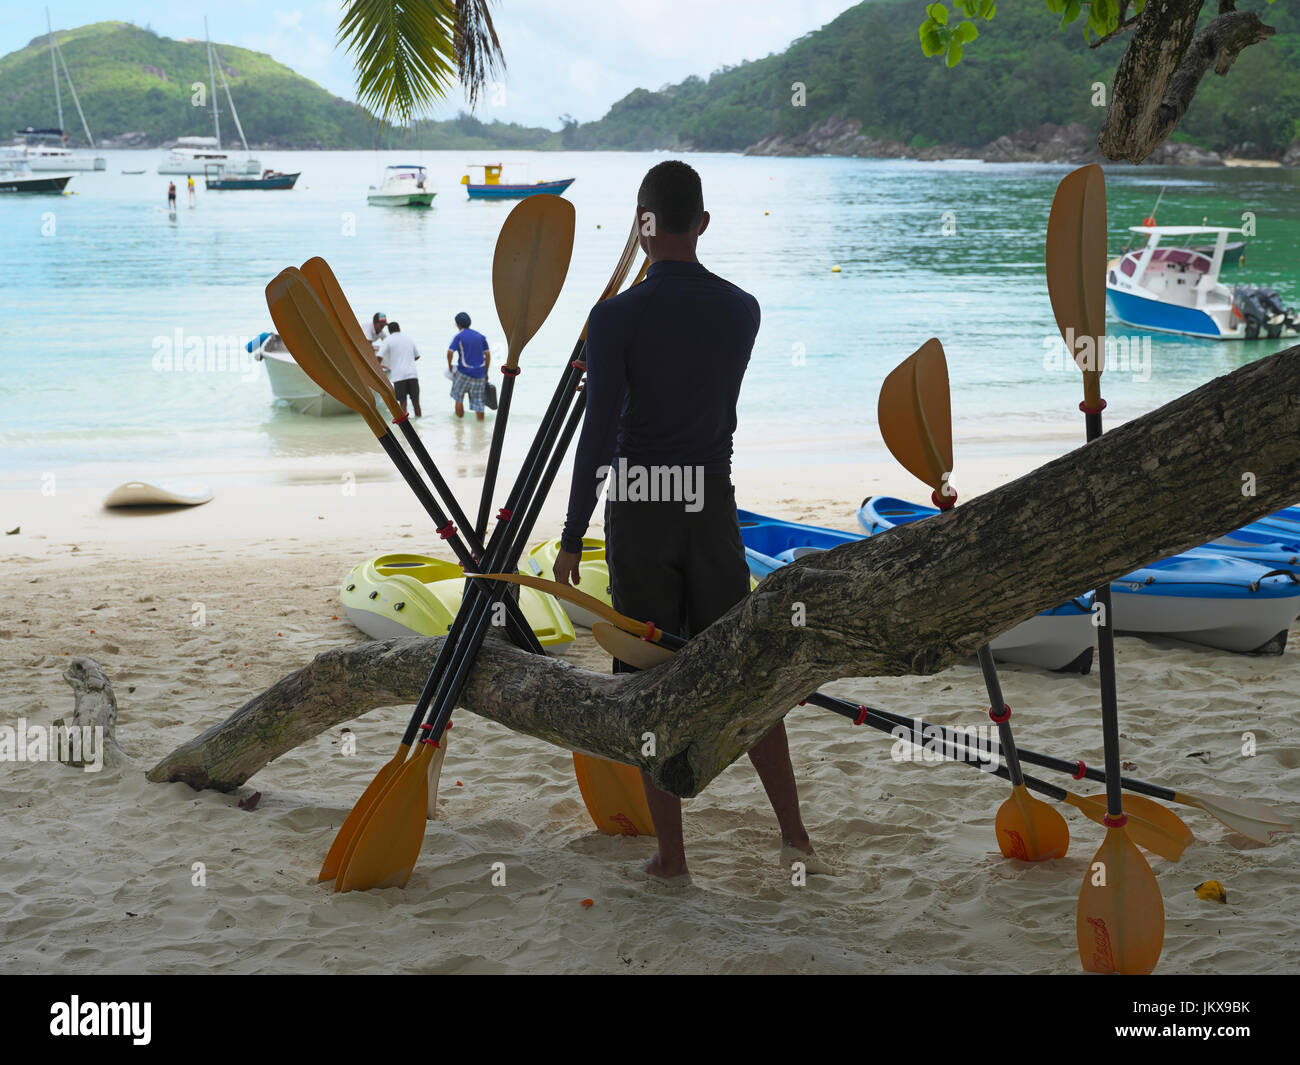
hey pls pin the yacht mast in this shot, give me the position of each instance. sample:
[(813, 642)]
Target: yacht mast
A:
[(231, 101), (212, 77), (75, 98), (54, 70)]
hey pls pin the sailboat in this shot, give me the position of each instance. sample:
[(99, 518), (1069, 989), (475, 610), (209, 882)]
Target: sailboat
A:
[(45, 149), (201, 155)]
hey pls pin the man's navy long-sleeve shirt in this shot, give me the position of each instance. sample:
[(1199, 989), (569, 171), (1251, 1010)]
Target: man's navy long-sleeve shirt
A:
[(664, 364)]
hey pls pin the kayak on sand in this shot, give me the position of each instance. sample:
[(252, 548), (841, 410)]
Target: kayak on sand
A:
[(1240, 594), (414, 595), (1059, 639)]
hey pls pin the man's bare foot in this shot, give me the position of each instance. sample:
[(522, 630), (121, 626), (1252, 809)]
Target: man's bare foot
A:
[(654, 868)]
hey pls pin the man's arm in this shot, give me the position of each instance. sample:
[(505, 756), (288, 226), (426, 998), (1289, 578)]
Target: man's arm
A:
[(487, 360), (606, 387)]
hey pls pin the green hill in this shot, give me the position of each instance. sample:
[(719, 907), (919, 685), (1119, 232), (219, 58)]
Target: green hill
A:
[(130, 80), (1021, 72)]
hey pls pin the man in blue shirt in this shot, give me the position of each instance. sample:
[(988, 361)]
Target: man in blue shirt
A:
[(469, 347), (665, 362)]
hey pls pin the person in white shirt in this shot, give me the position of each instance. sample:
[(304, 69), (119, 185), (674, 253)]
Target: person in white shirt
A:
[(376, 330), (397, 356)]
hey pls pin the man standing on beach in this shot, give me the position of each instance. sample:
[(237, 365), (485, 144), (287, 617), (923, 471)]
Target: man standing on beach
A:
[(470, 349), (397, 357), (376, 331), (664, 365)]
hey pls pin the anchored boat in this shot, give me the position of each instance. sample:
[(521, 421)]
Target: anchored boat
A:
[(403, 186), (16, 176), (492, 188), (270, 179), (414, 595), (193, 155), (1168, 288)]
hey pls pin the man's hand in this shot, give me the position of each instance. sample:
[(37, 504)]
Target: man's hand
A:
[(566, 567)]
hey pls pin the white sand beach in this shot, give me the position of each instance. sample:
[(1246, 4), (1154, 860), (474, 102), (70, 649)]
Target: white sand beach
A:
[(98, 875)]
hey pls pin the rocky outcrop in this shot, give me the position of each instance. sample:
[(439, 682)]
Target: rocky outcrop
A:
[(1073, 143), (1172, 154), (1292, 157), (135, 139)]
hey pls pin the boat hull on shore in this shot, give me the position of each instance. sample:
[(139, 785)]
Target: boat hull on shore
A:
[(290, 383)]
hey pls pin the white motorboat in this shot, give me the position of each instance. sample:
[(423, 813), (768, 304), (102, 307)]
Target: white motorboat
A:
[(405, 185), (289, 382), (17, 176), (1168, 288), (195, 155)]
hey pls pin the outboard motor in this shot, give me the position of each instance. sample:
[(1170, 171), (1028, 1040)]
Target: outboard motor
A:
[(1246, 302), (1283, 317)]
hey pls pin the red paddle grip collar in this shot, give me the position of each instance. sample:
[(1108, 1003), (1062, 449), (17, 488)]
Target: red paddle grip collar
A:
[(944, 502), (1083, 406)]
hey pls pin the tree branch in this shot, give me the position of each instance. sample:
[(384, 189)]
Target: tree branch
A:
[(912, 601), (1163, 67)]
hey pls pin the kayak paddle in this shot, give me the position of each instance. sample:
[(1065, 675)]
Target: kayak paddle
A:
[(328, 290), (641, 654), (915, 416), (531, 261), (1120, 920), (387, 842), (1169, 838)]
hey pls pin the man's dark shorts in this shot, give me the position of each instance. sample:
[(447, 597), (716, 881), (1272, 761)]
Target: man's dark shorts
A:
[(409, 387)]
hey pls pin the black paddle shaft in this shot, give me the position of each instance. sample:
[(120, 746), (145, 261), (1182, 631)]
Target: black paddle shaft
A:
[(494, 454), (1106, 669), (1002, 718), (520, 631), (474, 541), (454, 680), (510, 521)]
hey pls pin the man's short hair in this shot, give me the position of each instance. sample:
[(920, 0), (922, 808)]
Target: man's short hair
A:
[(671, 191), (393, 327), (462, 320)]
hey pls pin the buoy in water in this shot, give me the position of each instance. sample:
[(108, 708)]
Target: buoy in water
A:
[(835, 269)]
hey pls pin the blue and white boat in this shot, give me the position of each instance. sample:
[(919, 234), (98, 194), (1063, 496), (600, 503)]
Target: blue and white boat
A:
[(1060, 639), (1238, 594), (1168, 288)]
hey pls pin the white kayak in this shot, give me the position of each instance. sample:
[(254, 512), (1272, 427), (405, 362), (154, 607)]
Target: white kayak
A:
[(171, 493)]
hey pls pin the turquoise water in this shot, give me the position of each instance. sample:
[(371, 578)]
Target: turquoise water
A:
[(96, 283)]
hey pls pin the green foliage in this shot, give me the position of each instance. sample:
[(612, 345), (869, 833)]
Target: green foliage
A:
[(1019, 73), (131, 80)]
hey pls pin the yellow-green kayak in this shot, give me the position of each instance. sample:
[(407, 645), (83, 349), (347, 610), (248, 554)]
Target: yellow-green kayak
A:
[(414, 595)]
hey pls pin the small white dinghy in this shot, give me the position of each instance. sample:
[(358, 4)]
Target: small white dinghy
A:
[(290, 382), (158, 494)]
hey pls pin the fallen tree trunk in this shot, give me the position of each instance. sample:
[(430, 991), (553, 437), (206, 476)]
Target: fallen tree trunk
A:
[(913, 601)]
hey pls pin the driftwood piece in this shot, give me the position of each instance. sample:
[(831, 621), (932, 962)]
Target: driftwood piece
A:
[(912, 601), (94, 717), (1162, 68)]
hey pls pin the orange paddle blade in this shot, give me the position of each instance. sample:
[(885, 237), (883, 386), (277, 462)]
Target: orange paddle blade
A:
[(615, 796), (529, 266), (1147, 813), (1029, 829), (307, 331), (435, 774), (347, 833), (574, 595), (915, 415), (361, 355), (1159, 837), (1120, 921), (388, 844), (1076, 271)]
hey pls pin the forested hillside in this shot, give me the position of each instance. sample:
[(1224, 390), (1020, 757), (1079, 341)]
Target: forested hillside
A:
[(1021, 72)]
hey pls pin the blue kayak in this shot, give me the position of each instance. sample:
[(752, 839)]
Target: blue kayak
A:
[(1209, 595), (1059, 639)]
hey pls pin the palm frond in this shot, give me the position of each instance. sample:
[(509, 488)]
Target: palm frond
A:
[(409, 53)]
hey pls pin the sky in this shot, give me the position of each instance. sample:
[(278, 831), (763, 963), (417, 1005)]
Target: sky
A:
[(563, 56)]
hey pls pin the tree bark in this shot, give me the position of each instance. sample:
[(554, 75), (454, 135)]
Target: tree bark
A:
[(912, 601), (1162, 68)]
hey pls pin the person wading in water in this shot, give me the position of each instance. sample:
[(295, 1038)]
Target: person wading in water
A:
[(664, 365)]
